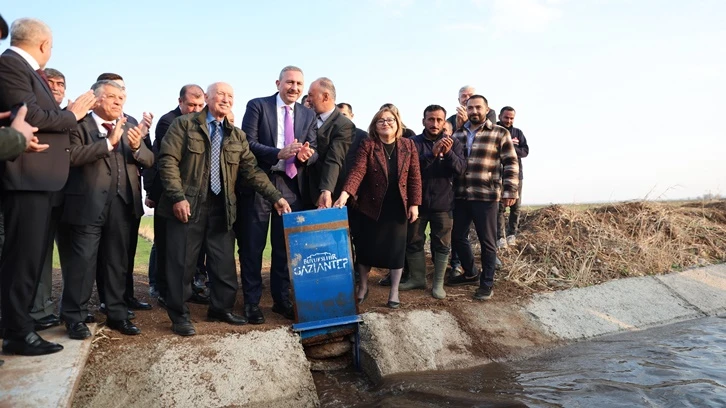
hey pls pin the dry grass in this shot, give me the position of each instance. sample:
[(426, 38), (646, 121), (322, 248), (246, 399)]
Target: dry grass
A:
[(561, 247)]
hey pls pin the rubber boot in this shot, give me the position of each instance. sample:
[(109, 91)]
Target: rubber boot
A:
[(441, 261), (417, 272)]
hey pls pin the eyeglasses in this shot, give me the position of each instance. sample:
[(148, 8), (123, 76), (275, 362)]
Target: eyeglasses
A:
[(389, 122)]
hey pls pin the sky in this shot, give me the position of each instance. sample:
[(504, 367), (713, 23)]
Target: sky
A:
[(618, 99)]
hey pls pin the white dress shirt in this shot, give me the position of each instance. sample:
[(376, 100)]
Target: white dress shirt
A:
[(280, 166), (33, 63), (102, 132)]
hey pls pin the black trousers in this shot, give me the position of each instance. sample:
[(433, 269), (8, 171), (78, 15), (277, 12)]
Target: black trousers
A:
[(484, 216), (208, 230), (27, 216), (157, 268), (98, 251), (254, 215)]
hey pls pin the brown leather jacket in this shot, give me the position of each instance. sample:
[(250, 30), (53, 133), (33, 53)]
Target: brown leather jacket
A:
[(368, 179)]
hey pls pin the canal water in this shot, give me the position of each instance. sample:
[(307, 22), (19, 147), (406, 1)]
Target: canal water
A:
[(680, 365)]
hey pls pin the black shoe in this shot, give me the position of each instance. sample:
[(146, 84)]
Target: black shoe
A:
[(483, 293), (47, 322), (183, 329), (161, 301), (135, 304), (285, 309), (130, 315), (123, 326), (385, 281), (90, 319), (254, 314), (78, 331), (227, 317), (463, 280), (199, 298), (30, 345), (361, 300)]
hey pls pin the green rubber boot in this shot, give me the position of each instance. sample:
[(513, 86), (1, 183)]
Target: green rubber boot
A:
[(417, 271), (441, 261)]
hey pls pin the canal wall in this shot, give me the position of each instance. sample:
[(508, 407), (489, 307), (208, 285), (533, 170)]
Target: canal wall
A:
[(269, 368)]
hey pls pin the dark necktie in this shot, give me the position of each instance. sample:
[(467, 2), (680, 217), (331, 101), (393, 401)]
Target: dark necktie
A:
[(109, 129), (216, 184), (43, 75)]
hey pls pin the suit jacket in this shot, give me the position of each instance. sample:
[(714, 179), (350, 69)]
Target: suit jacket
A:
[(152, 183), (90, 176), (260, 126), (328, 172), (368, 179), (47, 170)]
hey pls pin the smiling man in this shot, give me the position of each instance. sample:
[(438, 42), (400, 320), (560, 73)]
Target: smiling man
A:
[(282, 136), (202, 155)]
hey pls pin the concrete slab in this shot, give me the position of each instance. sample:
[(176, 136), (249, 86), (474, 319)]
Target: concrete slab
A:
[(44, 381), (253, 369), (417, 340), (705, 288), (626, 304)]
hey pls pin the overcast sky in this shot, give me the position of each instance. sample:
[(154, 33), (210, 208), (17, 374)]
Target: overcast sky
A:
[(618, 99)]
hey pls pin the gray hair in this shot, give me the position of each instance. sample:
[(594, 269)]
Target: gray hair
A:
[(29, 31), (54, 73), (289, 68), (465, 87), (97, 88), (327, 85)]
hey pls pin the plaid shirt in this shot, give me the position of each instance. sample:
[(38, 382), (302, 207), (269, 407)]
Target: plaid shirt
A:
[(491, 160)]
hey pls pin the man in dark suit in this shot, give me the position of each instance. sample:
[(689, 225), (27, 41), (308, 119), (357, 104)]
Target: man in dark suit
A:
[(129, 297), (32, 182), (191, 100), (202, 156), (334, 136), (281, 133), (103, 198), (43, 311)]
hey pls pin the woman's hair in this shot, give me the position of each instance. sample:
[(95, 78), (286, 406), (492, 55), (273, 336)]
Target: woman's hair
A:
[(373, 129), (394, 109)]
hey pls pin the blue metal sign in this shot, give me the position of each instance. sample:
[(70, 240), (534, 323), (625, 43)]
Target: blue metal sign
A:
[(321, 271)]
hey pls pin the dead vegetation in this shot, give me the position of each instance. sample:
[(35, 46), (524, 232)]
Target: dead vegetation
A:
[(559, 247)]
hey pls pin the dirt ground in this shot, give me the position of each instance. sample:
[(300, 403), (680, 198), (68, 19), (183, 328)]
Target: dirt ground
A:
[(530, 267)]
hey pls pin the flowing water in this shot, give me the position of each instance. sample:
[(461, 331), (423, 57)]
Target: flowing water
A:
[(680, 365)]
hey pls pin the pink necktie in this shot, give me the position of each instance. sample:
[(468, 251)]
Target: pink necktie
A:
[(290, 168)]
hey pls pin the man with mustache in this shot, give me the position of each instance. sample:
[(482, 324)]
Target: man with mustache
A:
[(492, 173), (442, 159), (102, 200), (282, 135)]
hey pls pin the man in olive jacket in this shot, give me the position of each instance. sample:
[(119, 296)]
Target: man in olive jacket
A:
[(200, 158)]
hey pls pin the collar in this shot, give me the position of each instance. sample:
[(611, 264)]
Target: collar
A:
[(324, 116), (280, 103), (487, 124), (210, 118), (33, 63), (99, 122)]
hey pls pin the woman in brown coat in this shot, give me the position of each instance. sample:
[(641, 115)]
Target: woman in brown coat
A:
[(386, 182)]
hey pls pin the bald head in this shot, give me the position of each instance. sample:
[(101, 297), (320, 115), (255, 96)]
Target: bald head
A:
[(34, 37), (220, 99), (321, 95)]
